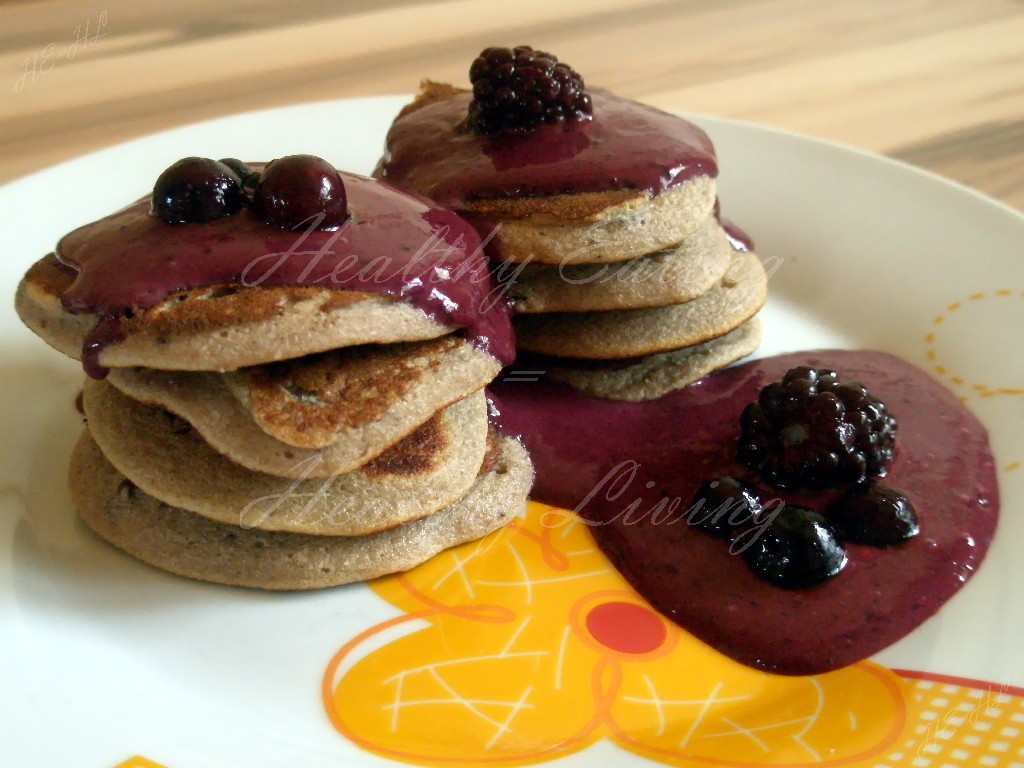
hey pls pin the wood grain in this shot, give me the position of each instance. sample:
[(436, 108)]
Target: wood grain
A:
[(939, 83)]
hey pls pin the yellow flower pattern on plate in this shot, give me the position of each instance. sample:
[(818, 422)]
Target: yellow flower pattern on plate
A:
[(528, 646)]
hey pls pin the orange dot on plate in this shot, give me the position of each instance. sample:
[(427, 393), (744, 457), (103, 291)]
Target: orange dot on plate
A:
[(626, 627)]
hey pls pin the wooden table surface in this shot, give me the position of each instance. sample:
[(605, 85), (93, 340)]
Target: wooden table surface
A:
[(939, 83)]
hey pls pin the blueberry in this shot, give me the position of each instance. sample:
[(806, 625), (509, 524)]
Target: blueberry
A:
[(722, 505), (248, 176), (299, 190), (241, 169), (874, 513), (798, 549), (196, 190)]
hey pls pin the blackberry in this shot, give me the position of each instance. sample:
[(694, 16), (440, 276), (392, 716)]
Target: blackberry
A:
[(813, 430), (873, 513), (516, 89), (723, 505), (196, 190), (798, 549)]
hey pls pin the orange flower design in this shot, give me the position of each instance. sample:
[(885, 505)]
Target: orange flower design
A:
[(528, 646)]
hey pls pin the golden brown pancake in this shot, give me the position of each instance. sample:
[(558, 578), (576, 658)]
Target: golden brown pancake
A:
[(222, 328), (166, 458), (648, 378), (583, 228), (631, 333), (540, 232), (349, 406), (194, 546), (671, 276), (317, 401)]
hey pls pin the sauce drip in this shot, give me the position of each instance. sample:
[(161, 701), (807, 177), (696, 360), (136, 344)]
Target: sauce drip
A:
[(614, 462), (738, 239), (395, 244), (625, 146)]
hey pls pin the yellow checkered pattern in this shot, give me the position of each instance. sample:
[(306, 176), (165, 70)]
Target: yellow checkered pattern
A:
[(957, 726)]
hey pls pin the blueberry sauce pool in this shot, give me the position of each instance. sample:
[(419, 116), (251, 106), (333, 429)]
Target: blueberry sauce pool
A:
[(394, 243), (625, 146), (613, 462)]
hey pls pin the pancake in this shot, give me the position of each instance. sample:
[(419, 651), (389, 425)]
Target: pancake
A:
[(191, 545), (648, 378), (349, 406), (314, 402), (667, 277), (432, 467), (222, 328), (582, 228), (592, 227), (631, 333)]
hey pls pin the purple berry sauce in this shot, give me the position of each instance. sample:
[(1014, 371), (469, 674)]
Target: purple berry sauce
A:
[(615, 462), (625, 146), (394, 243)]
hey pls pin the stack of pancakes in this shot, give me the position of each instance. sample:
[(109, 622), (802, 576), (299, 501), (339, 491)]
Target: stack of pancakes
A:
[(597, 312), (625, 293), (306, 437)]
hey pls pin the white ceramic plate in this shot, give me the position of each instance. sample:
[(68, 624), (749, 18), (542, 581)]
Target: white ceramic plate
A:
[(105, 658)]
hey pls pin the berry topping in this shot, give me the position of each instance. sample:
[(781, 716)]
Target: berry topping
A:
[(722, 505), (798, 549), (300, 190), (813, 430), (196, 190), (519, 88), (873, 513)]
